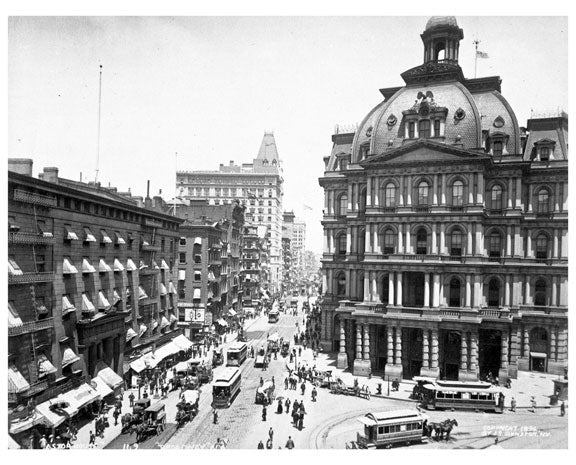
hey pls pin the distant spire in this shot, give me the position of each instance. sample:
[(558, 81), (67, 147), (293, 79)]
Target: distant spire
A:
[(268, 150)]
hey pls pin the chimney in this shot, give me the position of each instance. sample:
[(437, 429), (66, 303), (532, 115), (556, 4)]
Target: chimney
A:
[(51, 174), (148, 200), (20, 165), (231, 162), (139, 200)]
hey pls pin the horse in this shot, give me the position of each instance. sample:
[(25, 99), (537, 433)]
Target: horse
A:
[(126, 421), (447, 428), (440, 428)]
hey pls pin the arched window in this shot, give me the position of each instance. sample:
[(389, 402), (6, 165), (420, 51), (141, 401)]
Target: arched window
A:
[(424, 128), (341, 285), (343, 205), (421, 241), (389, 242), (494, 293), (454, 299), (423, 193), (496, 198), (495, 245), (542, 246), (543, 201), (540, 292), (390, 195), (342, 244), (456, 243), (497, 148), (457, 193)]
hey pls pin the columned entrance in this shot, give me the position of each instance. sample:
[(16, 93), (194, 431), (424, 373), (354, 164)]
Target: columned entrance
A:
[(411, 352), (451, 342), (490, 352)]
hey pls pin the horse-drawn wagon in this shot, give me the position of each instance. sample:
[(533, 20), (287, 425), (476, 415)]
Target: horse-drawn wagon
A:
[(265, 393), (187, 407)]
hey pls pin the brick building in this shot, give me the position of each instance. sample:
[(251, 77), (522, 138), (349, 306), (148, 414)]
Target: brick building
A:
[(255, 268), (90, 283), (445, 229)]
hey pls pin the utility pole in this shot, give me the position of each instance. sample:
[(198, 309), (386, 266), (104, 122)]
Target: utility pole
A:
[(98, 134)]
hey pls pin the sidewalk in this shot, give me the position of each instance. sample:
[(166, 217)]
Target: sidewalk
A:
[(528, 384)]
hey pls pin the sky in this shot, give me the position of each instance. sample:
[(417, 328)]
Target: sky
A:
[(208, 88)]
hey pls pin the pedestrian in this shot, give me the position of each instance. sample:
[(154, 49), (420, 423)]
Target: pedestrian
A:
[(214, 416), (303, 387), (92, 441), (533, 404), (513, 405), (287, 405), (314, 394), (269, 444), (280, 407), (116, 414), (264, 413), (299, 351), (261, 381), (260, 445), (43, 442), (271, 434), (562, 409), (289, 443), (286, 383)]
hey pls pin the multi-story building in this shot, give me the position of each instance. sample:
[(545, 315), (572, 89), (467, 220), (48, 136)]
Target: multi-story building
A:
[(258, 185), (209, 261), (298, 244), (445, 229), (89, 282), (254, 269)]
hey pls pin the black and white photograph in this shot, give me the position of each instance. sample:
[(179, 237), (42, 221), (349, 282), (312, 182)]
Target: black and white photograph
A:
[(310, 231)]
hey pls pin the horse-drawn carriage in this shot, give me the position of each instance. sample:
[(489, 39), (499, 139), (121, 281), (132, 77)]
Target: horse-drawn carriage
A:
[(273, 342), (130, 420), (339, 387), (153, 421), (217, 357), (260, 356), (322, 378), (285, 349), (418, 390), (265, 393), (187, 407)]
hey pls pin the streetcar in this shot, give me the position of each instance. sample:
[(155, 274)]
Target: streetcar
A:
[(226, 387), (273, 316), (476, 395), (236, 354), (384, 429)]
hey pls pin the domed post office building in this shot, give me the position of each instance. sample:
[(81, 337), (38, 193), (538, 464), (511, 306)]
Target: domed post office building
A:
[(445, 230)]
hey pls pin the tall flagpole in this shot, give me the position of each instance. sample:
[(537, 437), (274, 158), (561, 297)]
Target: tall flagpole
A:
[(476, 42), (98, 136), (176, 183)]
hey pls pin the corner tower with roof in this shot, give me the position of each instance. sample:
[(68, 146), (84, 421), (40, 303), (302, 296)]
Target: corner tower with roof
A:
[(445, 229)]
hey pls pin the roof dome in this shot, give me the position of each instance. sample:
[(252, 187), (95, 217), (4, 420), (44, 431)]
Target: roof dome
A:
[(436, 21)]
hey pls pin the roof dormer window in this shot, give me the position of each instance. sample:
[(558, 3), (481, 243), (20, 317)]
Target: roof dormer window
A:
[(544, 153), (364, 150), (497, 144), (424, 128)]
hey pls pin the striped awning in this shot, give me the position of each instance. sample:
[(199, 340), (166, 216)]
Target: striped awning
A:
[(103, 303), (116, 297), (16, 382), (88, 236), (171, 288), (14, 320), (164, 322), (141, 293), (117, 265), (155, 265), (164, 265), (69, 357), (87, 267), (68, 268), (45, 367), (70, 235), (105, 238), (119, 239), (67, 306), (103, 267)]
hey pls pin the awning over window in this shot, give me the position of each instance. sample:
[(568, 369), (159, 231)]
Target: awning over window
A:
[(142, 330), (164, 265), (70, 235), (87, 306), (171, 288), (154, 325), (164, 322), (87, 267), (163, 290), (141, 293), (14, 320), (173, 318), (232, 312), (103, 303), (116, 298), (70, 403), (110, 377), (130, 334), (88, 236), (103, 267), (104, 237), (144, 243), (538, 355), (155, 265), (69, 357), (45, 367), (16, 382), (67, 306), (13, 268), (181, 275), (197, 294), (197, 240), (68, 268), (130, 266), (117, 265), (119, 239), (101, 388), (142, 265)]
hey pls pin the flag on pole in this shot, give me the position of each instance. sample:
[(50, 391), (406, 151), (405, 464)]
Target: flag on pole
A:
[(306, 207), (480, 54)]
